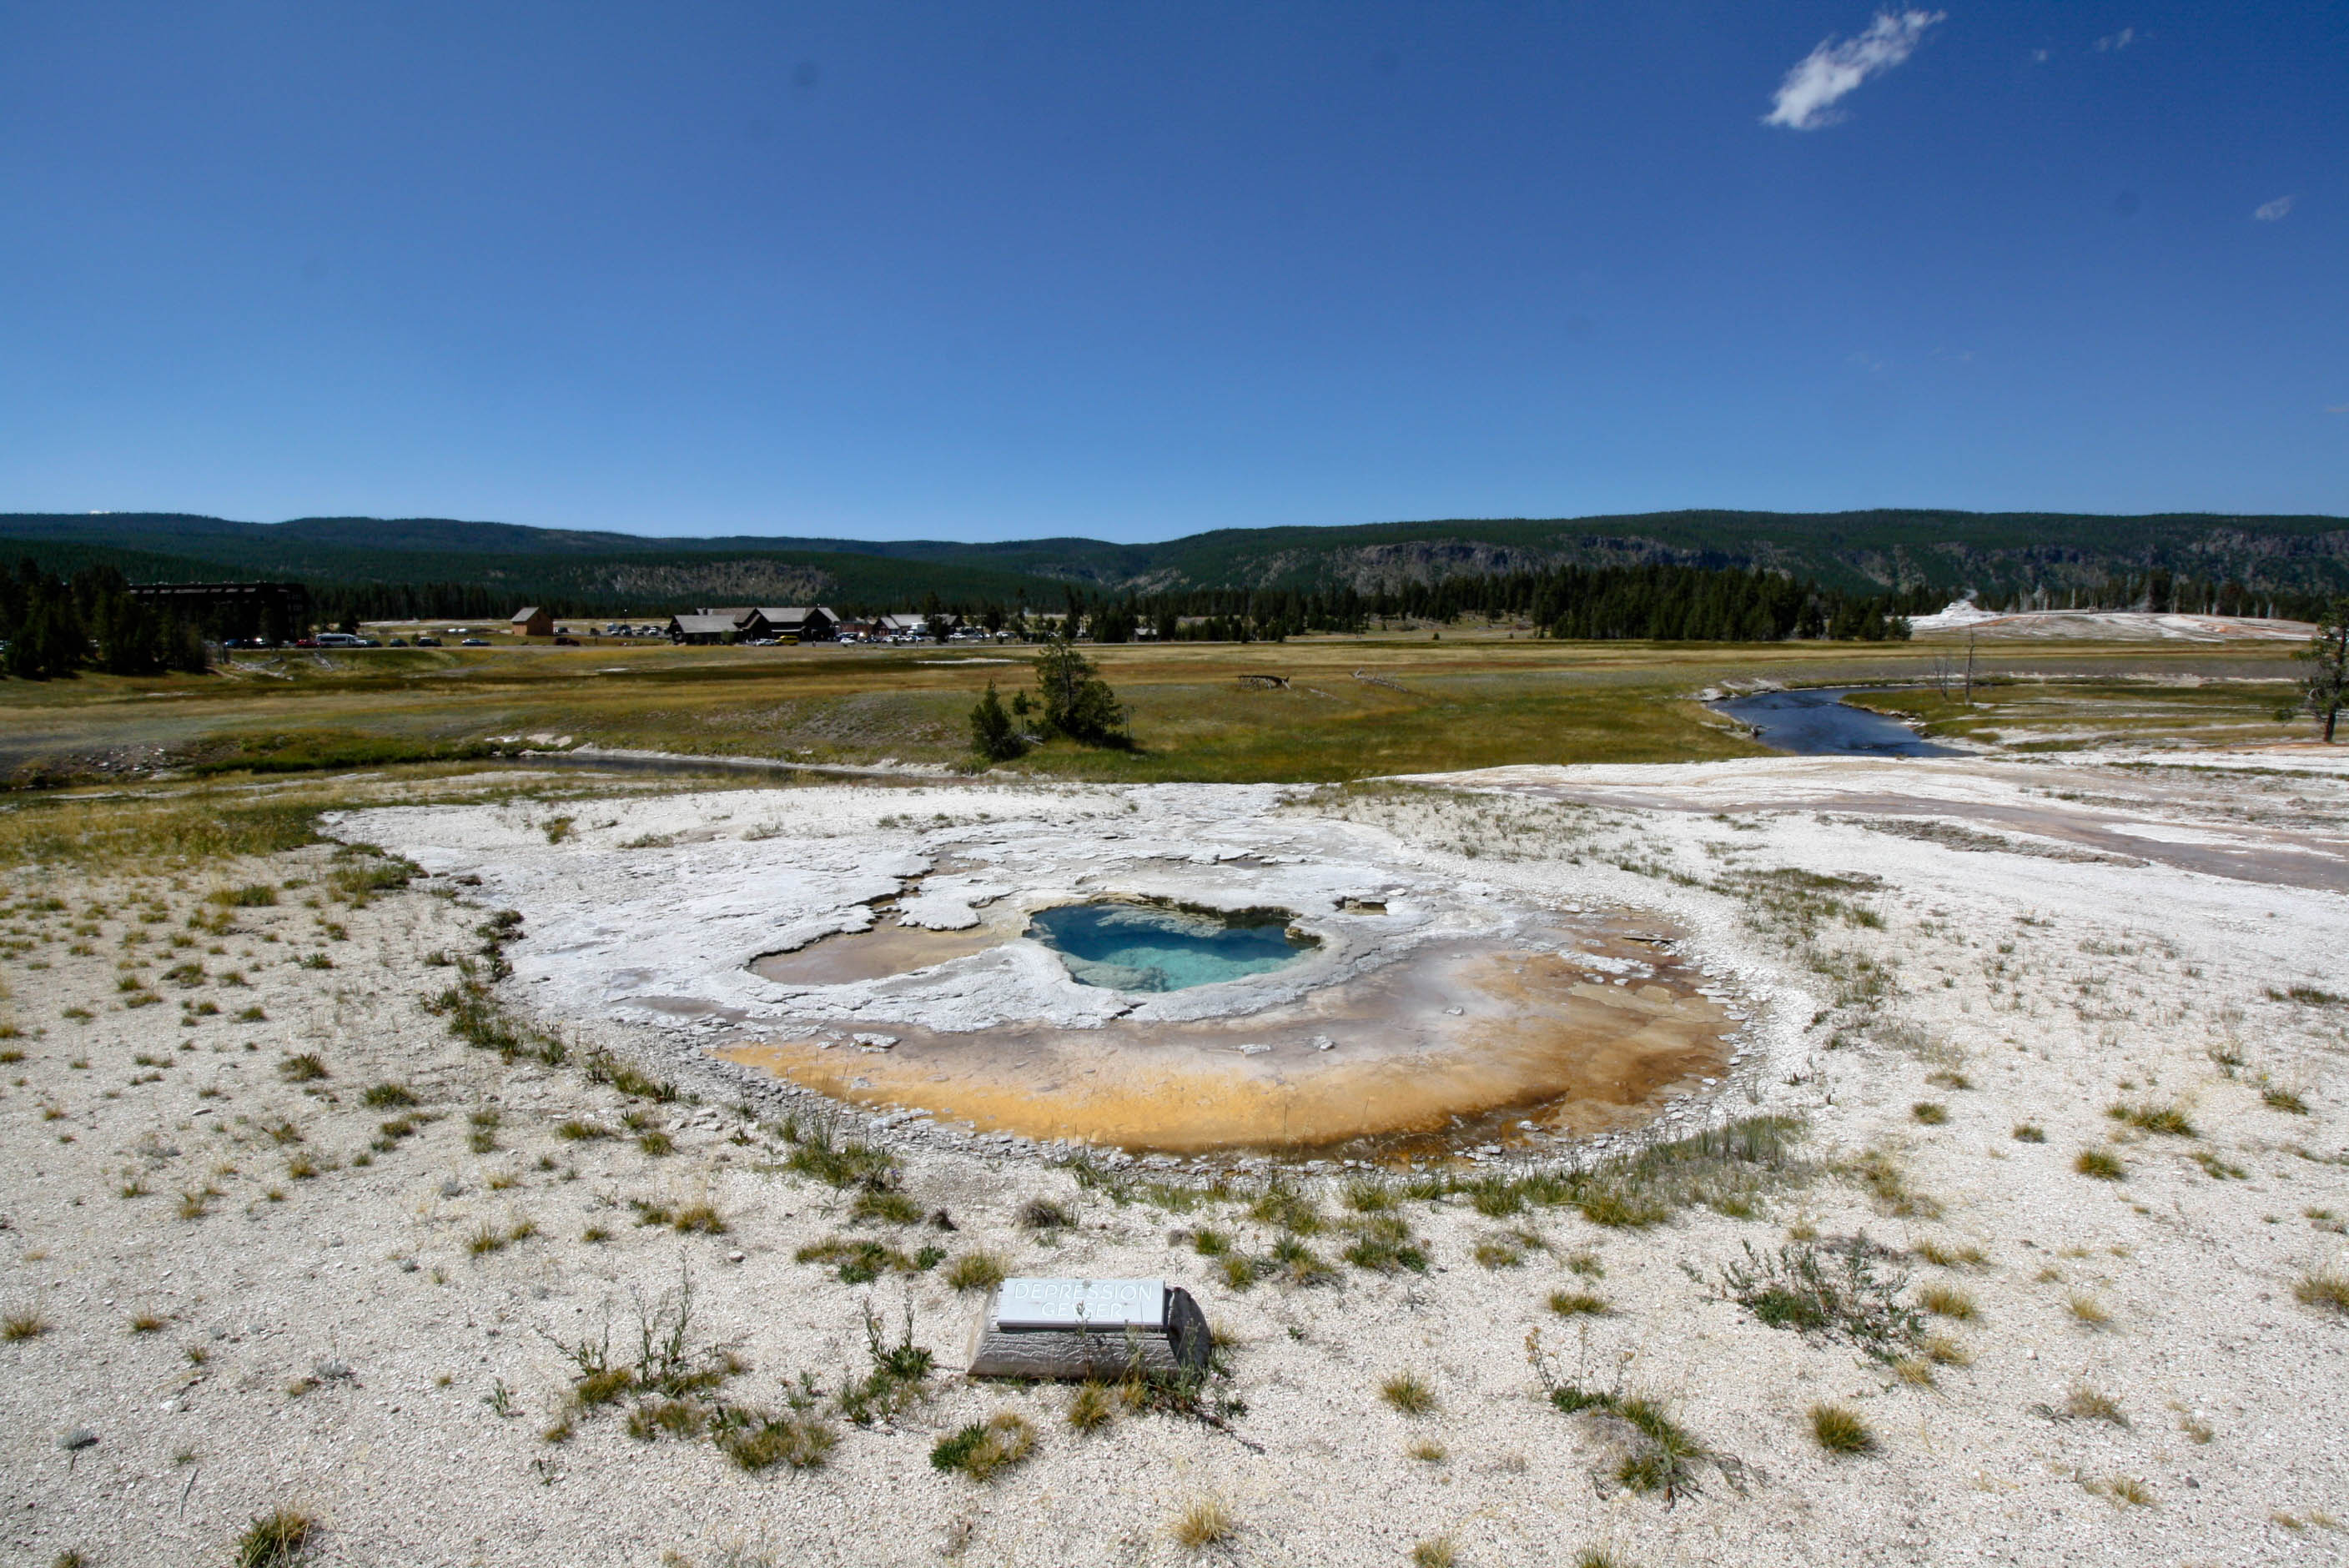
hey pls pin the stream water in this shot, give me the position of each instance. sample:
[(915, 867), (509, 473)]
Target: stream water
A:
[(1816, 722)]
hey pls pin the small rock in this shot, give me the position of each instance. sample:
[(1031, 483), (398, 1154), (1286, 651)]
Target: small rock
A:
[(76, 1439), (331, 1369), (452, 1187), (735, 1256)]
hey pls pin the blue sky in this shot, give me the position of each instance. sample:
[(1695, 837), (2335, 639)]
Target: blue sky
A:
[(1132, 270)]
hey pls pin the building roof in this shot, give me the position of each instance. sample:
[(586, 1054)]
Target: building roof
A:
[(528, 612), (788, 614), (698, 625)]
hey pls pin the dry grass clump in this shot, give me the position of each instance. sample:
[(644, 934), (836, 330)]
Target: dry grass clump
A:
[(303, 1068), (702, 1217), (1436, 1552), (276, 1539), (982, 1450), (1946, 1301), (1660, 1456), (2029, 1132), (2122, 1491), (2168, 1119), (1941, 1256), (1839, 1429), (756, 1439), (1383, 1243), (1879, 1171), (2087, 1310), (1044, 1214), (2100, 1163), (2326, 1289), (976, 1271), (1284, 1207), (387, 1097), (1932, 1113), (860, 1260), (888, 1206), (2084, 1403), (1409, 1393), (1577, 1304), (1092, 1408), (2285, 1100), (1204, 1521), (19, 1325), (1499, 1252)]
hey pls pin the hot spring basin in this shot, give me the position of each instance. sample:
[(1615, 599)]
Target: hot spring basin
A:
[(1130, 946), (1458, 1043)]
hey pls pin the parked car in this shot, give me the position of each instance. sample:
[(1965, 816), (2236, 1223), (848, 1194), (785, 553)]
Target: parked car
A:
[(428, 642), (400, 641), (338, 640), (474, 643), (566, 642)]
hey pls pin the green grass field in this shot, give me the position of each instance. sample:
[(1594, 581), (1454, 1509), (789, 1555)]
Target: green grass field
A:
[(2071, 714), (1350, 707)]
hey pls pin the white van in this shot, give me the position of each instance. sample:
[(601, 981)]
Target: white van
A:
[(341, 640)]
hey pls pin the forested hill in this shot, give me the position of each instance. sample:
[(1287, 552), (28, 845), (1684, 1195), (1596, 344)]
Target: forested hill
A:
[(2005, 556)]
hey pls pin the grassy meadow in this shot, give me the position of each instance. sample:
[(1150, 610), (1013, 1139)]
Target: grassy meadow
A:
[(1307, 710)]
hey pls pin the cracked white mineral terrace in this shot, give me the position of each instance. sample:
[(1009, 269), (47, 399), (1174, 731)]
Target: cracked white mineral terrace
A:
[(874, 946)]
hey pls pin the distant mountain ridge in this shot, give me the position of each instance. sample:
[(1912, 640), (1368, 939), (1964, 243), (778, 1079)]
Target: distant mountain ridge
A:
[(1999, 553)]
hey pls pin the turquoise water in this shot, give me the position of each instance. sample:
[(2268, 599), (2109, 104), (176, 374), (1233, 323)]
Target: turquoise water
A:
[(1150, 947)]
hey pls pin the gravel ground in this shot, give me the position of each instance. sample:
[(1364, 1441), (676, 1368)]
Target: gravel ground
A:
[(250, 1296)]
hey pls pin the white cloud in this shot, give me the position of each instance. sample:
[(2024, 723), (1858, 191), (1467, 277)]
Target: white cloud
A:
[(1806, 99), (2269, 212), (2337, 407), (2038, 57), (2120, 40)]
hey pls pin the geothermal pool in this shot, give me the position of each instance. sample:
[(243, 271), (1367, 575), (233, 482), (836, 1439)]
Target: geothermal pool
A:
[(1460, 1041), (1154, 947), (1183, 969)]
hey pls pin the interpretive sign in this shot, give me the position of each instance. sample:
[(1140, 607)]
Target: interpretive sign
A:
[(1107, 1303), (1089, 1328)]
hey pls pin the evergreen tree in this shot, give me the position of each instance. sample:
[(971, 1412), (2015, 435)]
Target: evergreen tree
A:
[(992, 734), (1077, 702), (2325, 688)]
